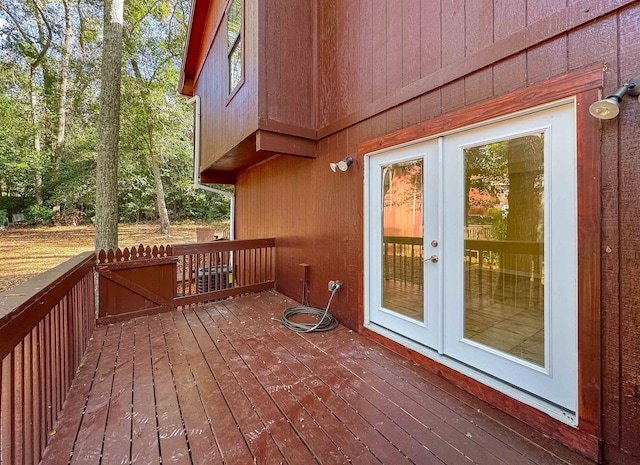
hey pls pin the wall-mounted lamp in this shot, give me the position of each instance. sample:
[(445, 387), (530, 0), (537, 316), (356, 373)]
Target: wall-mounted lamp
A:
[(342, 165), (609, 107)]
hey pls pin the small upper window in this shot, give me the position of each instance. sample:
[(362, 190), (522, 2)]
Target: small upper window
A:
[(234, 44)]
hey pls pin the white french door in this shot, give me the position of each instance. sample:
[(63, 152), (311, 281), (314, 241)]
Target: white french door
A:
[(406, 294), (472, 249)]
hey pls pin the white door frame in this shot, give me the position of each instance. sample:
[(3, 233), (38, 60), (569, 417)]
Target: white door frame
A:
[(444, 342)]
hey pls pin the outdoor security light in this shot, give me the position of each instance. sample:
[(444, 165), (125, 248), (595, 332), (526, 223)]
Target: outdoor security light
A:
[(342, 165), (609, 107)]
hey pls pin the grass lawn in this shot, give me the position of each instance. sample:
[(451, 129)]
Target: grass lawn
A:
[(27, 251)]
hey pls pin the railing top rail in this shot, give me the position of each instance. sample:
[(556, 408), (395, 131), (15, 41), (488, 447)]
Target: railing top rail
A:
[(521, 247), (30, 292), (402, 240), (21, 306), (222, 246)]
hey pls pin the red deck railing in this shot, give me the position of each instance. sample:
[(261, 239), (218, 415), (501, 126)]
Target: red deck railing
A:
[(215, 270), (46, 322), (144, 280), (45, 325)]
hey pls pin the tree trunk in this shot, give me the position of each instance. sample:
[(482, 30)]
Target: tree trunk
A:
[(64, 68), (524, 221), (109, 128), (44, 40), (160, 201), (35, 120), (154, 157)]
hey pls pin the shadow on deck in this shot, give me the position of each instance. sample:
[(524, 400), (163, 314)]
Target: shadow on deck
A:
[(222, 383)]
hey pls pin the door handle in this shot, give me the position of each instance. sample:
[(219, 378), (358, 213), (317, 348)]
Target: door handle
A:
[(432, 259)]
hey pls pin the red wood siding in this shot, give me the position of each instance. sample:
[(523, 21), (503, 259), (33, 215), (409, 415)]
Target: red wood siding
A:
[(287, 48), (384, 65), (627, 316), (457, 39), (227, 122)]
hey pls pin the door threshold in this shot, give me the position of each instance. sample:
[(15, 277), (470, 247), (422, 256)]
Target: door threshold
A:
[(554, 411)]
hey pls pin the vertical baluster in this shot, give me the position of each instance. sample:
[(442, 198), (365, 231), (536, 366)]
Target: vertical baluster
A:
[(256, 264), (54, 366), (190, 275), (244, 266), (35, 395), (183, 264), (384, 258), (18, 395), (196, 272), (64, 361), (46, 350), (236, 263), (227, 258), (267, 252), (6, 409), (59, 357), (11, 423), (53, 360), (211, 272), (42, 374), (27, 394)]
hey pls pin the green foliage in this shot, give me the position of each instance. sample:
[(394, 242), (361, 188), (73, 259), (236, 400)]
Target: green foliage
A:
[(38, 214), (498, 224), (13, 204), (154, 38), (3, 217)]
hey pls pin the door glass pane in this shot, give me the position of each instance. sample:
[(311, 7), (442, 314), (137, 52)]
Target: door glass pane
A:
[(402, 248), (504, 246)]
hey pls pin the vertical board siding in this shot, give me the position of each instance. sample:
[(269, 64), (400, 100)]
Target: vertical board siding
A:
[(379, 50), (288, 97), (411, 40), (430, 37), (327, 61), (547, 60), (394, 46), (317, 215), (509, 16), (453, 31), (479, 25), (629, 317), (228, 122), (364, 59), (36, 375), (510, 75)]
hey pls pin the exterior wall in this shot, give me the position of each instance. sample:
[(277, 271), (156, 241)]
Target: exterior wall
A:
[(287, 67), (376, 59), (227, 122)]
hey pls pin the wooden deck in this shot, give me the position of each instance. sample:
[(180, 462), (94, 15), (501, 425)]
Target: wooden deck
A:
[(223, 383)]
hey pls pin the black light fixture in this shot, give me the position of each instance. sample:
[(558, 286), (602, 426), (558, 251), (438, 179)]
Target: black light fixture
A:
[(609, 107), (342, 165)]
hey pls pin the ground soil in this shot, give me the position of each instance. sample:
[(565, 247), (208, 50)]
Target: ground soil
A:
[(27, 251)]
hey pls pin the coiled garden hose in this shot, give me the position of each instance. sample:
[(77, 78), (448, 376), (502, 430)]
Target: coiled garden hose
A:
[(327, 321)]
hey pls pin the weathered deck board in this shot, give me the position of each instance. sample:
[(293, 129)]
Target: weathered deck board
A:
[(90, 438), (117, 437), (173, 444), (144, 432), (223, 383)]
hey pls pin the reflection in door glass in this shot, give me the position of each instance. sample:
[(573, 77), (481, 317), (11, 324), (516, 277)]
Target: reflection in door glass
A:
[(504, 246), (402, 286)]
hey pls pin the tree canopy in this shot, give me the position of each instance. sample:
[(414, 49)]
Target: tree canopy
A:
[(50, 62)]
